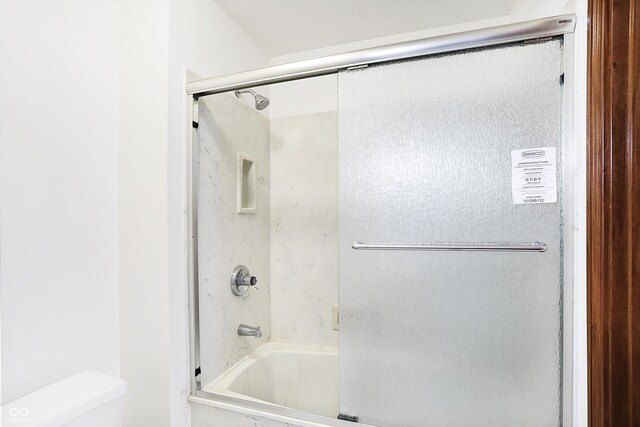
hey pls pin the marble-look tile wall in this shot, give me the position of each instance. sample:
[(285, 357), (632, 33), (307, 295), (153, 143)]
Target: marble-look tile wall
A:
[(304, 227), (226, 239)]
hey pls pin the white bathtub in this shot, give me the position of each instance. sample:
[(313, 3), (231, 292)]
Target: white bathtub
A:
[(302, 377)]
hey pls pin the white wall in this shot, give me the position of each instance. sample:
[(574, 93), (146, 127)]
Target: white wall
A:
[(204, 40), (142, 177), (58, 191), (290, 99), (92, 155), (161, 40)]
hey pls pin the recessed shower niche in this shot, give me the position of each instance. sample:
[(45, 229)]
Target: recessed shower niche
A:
[(246, 185), (396, 207)]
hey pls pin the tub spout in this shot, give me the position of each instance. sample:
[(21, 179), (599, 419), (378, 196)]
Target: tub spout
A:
[(249, 331)]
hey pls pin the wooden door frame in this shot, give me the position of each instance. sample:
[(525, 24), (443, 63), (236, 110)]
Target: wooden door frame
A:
[(613, 212)]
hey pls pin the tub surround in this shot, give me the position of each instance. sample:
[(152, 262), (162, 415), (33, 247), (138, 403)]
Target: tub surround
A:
[(304, 227), (226, 238), (289, 243)]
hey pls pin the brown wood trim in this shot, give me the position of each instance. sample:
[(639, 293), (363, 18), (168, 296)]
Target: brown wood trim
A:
[(613, 212)]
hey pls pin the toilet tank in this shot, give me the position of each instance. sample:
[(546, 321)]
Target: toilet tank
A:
[(85, 399)]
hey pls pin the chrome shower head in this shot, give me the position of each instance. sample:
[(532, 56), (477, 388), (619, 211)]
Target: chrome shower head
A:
[(262, 102)]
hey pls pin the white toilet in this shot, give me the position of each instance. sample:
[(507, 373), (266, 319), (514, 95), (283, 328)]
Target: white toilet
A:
[(82, 400)]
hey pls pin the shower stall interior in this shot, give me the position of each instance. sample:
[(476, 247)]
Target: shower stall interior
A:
[(403, 260)]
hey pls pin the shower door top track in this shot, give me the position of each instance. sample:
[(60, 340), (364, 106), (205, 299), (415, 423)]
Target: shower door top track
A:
[(540, 28)]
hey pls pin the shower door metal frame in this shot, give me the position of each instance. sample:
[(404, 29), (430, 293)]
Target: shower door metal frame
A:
[(539, 28), (530, 30)]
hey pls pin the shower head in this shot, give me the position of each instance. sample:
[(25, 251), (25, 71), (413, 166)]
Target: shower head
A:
[(262, 102)]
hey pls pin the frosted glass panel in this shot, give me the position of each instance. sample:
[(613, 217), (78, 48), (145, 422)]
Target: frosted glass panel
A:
[(449, 338)]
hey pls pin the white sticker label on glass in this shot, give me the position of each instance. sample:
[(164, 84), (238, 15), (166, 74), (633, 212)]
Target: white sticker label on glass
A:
[(533, 175)]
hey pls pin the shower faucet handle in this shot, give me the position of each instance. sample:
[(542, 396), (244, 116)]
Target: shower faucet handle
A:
[(242, 280)]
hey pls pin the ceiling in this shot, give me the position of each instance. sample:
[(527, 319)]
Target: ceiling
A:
[(286, 26)]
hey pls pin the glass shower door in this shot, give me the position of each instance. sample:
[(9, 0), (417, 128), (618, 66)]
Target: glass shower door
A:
[(463, 148)]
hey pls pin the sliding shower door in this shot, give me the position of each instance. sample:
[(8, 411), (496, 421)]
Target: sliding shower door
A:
[(457, 149)]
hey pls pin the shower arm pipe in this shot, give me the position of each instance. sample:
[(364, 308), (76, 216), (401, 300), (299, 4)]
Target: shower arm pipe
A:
[(488, 247), (539, 28), (241, 91)]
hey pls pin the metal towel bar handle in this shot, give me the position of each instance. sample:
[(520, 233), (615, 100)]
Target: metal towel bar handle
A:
[(487, 247)]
